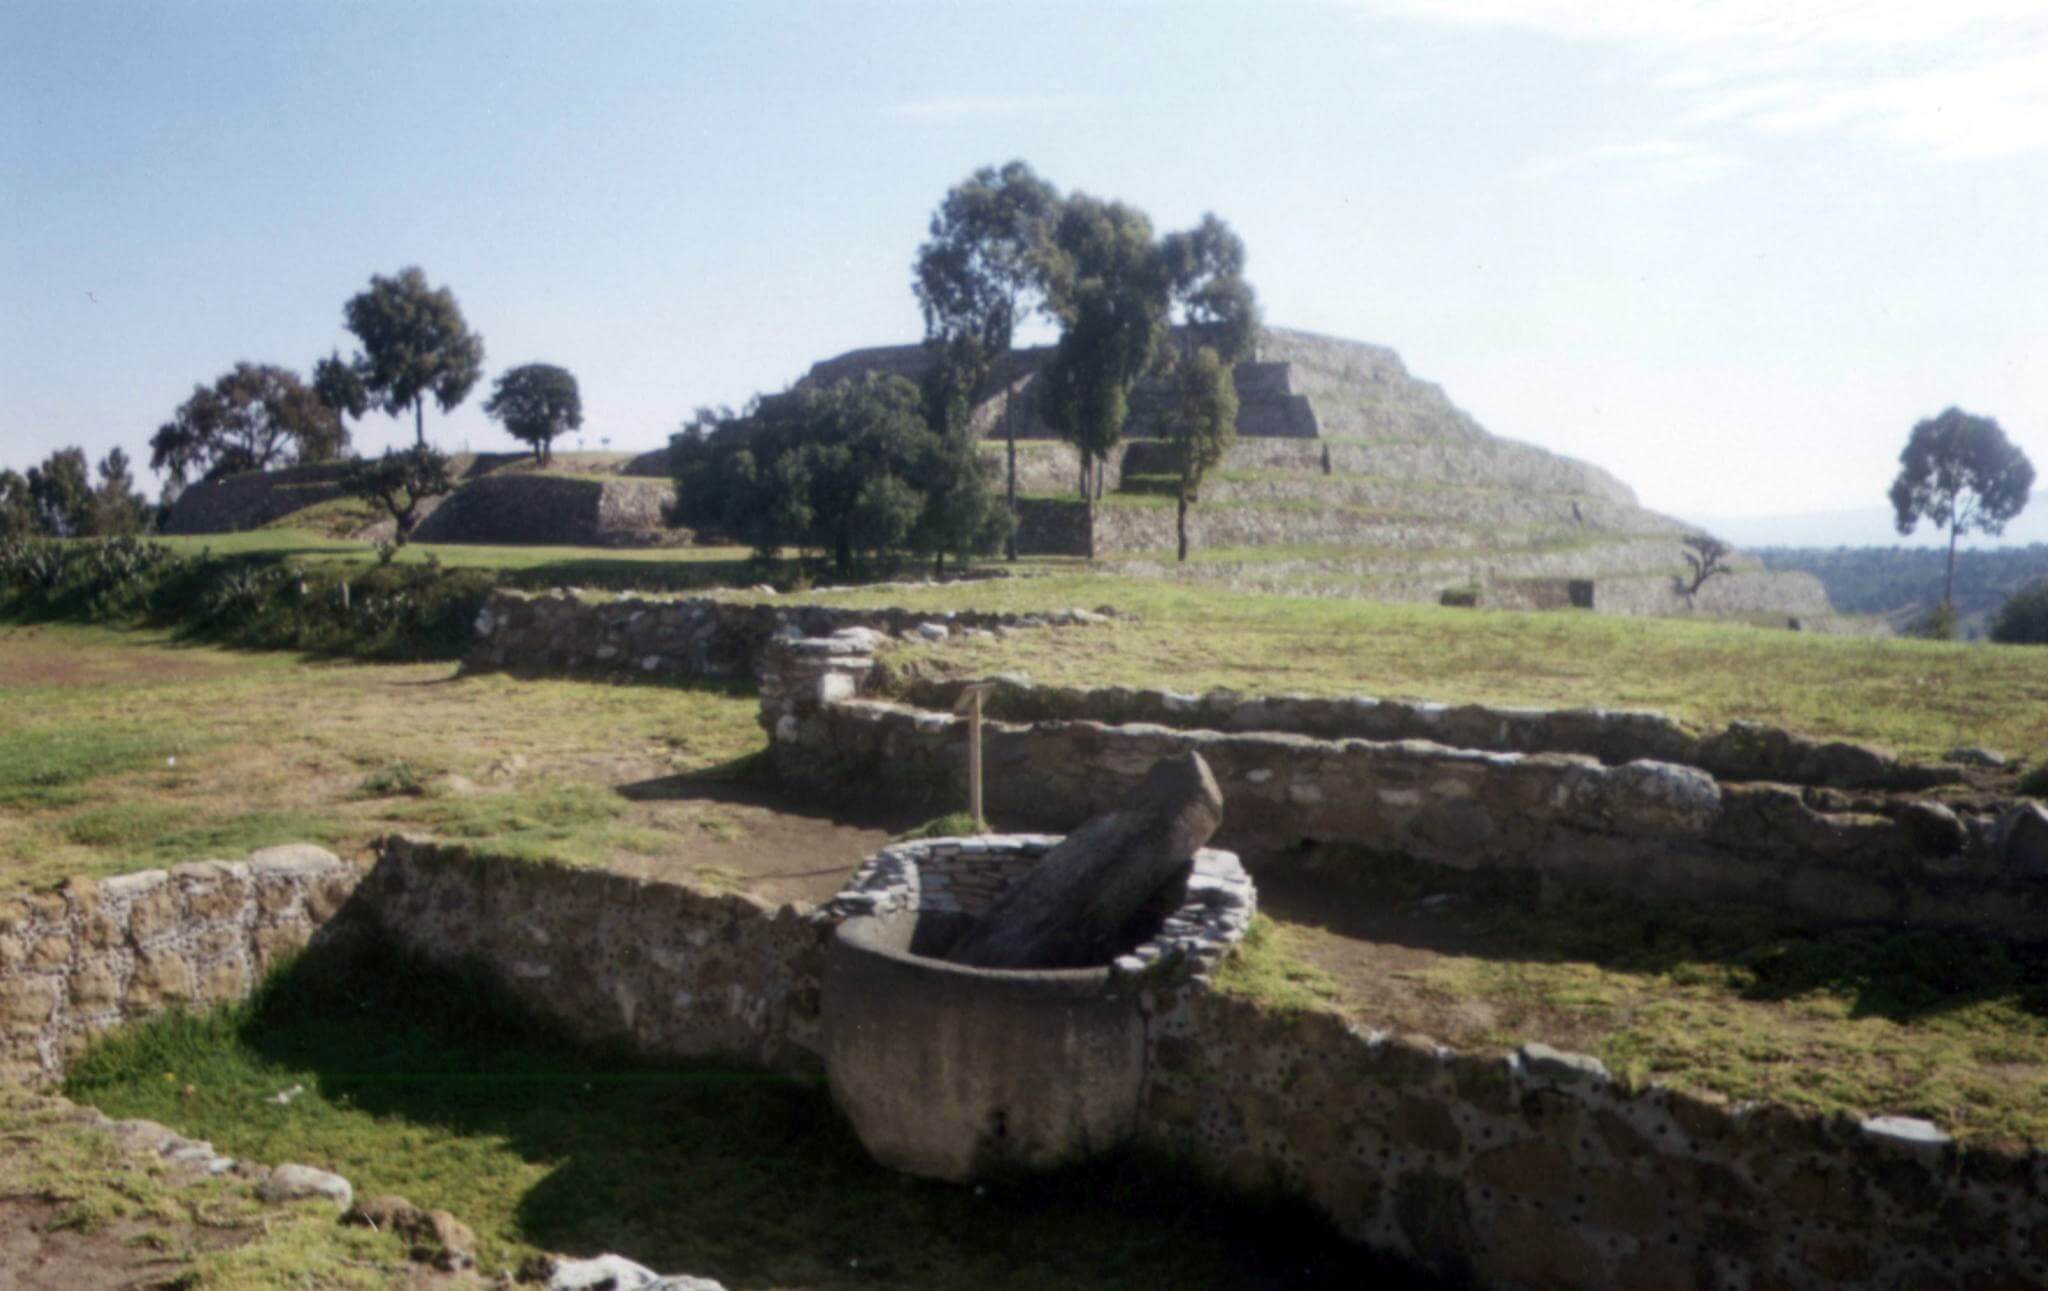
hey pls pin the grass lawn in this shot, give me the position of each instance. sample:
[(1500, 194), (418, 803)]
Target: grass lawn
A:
[(123, 750), (420, 1083), (1946, 1026), (1920, 697)]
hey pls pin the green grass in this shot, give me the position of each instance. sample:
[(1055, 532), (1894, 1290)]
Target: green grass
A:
[(126, 1200), (1920, 697), (425, 1083), (1269, 967), (1738, 1001), (131, 751)]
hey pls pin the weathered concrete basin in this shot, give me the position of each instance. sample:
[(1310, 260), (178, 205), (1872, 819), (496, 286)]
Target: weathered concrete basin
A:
[(949, 1071)]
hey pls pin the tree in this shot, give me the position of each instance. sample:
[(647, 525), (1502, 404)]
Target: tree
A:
[(399, 482), (17, 507), (415, 343), (253, 417), (851, 470), (339, 387), (1961, 473), (60, 493), (1205, 275), (117, 507), (2023, 619), (1107, 285), (1706, 556), (1203, 425), (536, 401), (976, 275)]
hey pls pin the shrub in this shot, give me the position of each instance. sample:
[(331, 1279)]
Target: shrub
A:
[(389, 611), (2023, 619)]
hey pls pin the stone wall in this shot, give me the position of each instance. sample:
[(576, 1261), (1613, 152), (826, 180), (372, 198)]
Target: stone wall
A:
[(1054, 527), (1535, 1170), (1660, 830), (687, 636), (253, 499), (1526, 1170), (667, 969), (1743, 751), (525, 507), (93, 955)]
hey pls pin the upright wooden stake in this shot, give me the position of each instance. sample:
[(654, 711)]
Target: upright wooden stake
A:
[(970, 704), (974, 763)]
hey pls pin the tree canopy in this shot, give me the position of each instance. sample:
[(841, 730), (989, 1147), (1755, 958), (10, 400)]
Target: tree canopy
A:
[(1203, 425), (1961, 473), (251, 418), (1205, 275), (60, 491), (536, 402), (976, 277), (1108, 287), (400, 482), (415, 343), (852, 470)]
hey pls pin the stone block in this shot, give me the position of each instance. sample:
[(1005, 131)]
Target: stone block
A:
[(155, 909), (26, 1003), (162, 976), (1533, 1170), (95, 985), (1540, 1249)]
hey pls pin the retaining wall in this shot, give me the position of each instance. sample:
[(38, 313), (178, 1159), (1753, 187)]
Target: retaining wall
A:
[(669, 970), (686, 636), (1659, 830), (1529, 1170), (93, 955), (1744, 751), (1534, 1170)]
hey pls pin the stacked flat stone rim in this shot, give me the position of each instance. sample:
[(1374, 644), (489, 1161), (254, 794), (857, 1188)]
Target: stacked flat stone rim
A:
[(965, 875)]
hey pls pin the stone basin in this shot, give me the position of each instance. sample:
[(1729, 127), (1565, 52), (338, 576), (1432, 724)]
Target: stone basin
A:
[(949, 1071)]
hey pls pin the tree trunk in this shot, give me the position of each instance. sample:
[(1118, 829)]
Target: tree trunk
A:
[(419, 421), (939, 564), (1183, 523), (1010, 435), (1948, 583)]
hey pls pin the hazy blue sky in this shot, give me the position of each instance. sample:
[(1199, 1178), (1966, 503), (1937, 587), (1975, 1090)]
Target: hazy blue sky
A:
[(1731, 251)]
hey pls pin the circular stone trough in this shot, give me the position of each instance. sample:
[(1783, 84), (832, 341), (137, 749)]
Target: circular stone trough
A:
[(948, 1071)]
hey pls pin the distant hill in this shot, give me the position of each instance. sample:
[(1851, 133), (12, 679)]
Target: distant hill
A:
[(1904, 583), (1860, 527)]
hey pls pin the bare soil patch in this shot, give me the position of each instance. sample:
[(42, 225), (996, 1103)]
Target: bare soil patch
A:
[(37, 1249)]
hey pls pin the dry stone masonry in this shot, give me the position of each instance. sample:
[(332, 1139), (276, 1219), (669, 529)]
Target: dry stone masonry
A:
[(964, 876), (694, 636), (1661, 829), (92, 955), (1529, 1170)]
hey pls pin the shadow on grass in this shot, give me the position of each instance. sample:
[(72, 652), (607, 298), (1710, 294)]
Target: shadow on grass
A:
[(1901, 974), (428, 1083)]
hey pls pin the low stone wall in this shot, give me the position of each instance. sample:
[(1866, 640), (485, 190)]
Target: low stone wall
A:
[(93, 955), (666, 969), (688, 636), (1534, 1170), (1526, 1170), (1660, 830), (1744, 751)]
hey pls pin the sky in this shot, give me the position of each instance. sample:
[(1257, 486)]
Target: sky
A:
[(1729, 251)]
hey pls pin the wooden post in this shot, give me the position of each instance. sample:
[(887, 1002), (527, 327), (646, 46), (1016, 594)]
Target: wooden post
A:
[(970, 703), (974, 764)]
